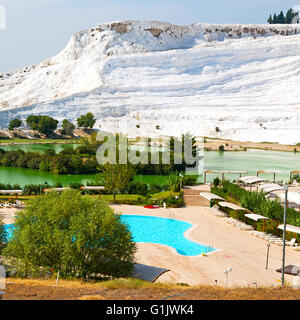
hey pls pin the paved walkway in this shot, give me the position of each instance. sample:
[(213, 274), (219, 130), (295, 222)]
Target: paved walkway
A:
[(192, 198)]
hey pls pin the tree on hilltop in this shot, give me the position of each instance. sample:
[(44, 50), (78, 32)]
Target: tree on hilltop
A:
[(43, 124), (86, 121), (67, 127), (15, 123)]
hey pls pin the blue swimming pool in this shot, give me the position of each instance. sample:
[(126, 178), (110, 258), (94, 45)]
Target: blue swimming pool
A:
[(159, 230), (164, 231)]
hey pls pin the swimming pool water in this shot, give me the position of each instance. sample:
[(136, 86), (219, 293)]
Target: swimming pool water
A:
[(163, 231), (157, 230)]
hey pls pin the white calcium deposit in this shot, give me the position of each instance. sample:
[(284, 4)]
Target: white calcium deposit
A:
[(168, 80)]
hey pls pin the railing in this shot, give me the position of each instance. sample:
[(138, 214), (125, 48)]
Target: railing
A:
[(172, 216), (210, 248)]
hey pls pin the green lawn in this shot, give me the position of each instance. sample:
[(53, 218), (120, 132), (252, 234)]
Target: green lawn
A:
[(28, 141), (148, 179), (130, 199)]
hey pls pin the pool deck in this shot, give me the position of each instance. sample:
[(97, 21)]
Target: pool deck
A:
[(240, 250), (8, 215)]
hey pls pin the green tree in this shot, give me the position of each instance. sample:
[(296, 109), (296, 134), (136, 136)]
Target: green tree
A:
[(290, 15), (15, 123), (115, 177), (270, 20), (47, 125), (275, 18), (216, 182), (43, 124), (67, 127), (76, 235), (281, 18), (33, 121), (86, 121)]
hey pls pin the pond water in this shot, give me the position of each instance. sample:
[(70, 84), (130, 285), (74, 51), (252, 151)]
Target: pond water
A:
[(250, 160), (42, 147), (29, 176)]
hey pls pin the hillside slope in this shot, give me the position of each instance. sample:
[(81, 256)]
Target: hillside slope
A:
[(240, 78)]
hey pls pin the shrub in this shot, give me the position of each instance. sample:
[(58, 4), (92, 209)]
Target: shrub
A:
[(216, 182), (75, 185), (75, 235), (221, 148), (174, 182), (32, 189), (155, 188), (189, 180), (171, 200), (175, 201), (3, 236), (256, 202), (136, 187)]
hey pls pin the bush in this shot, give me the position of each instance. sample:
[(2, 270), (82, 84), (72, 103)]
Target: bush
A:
[(3, 236), (216, 182), (75, 235), (171, 200), (155, 188), (136, 187), (256, 202), (189, 180), (174, 182), (32, 189), (75, 185)]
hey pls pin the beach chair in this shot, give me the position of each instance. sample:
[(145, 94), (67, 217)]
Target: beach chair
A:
[(292, 243)]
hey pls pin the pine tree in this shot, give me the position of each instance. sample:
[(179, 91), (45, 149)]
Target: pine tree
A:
[(289, 16), (281, 18), (275, 18), (270, 20)]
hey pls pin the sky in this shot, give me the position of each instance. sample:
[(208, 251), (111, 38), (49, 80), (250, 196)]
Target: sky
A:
[(38, 29)]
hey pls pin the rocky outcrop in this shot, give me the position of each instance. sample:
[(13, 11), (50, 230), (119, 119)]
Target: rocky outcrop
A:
[(120, 27)]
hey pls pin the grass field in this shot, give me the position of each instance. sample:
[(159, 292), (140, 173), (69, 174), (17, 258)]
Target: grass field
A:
[(133, 289), (29, 141)]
